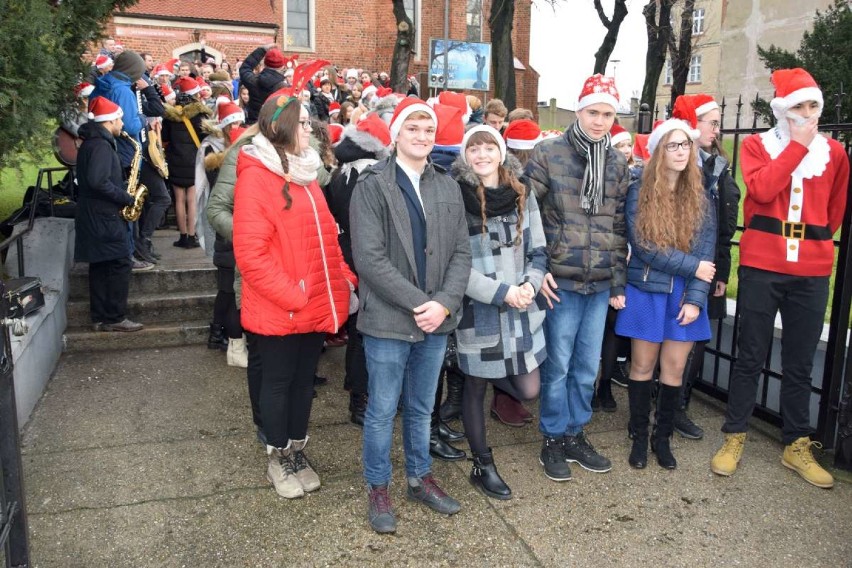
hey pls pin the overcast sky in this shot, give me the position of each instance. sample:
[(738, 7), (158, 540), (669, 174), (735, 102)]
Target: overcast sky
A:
[(563, 45)]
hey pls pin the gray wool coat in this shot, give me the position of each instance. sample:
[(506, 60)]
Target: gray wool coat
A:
[(383, 251), (494, 340)]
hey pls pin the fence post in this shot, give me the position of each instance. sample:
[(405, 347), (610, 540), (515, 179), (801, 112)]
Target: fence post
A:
[(644, 126)]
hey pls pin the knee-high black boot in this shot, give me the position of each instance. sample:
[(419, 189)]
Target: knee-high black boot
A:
[(452, 406), (667, 402), (639, 396), (438, 447)]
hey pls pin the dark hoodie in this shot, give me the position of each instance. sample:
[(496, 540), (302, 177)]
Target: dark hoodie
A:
[(356, 151)]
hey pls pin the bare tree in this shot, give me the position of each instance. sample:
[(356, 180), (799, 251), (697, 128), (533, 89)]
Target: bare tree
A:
[(501, 21), (612, 26), (680, 51), (402, 49), (658, 26)]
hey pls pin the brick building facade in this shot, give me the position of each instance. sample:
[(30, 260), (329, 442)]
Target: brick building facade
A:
[(358, 35)]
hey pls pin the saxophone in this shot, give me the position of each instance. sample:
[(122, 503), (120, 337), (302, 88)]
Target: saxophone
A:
[(134, 188)]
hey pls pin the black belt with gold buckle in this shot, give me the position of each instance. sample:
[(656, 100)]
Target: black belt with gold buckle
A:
[(790, 229)]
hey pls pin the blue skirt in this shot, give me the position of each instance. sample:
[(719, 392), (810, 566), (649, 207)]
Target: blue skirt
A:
[(652, 316)]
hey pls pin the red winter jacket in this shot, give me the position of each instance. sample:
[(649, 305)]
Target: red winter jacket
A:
[(294, 276)]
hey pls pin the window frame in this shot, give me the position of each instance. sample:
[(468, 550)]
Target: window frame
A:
[(311, 29), (668, 73), (695, 64), (468, 13), (699, 17)]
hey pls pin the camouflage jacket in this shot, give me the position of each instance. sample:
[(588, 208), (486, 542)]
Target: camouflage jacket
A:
[(586, 253)]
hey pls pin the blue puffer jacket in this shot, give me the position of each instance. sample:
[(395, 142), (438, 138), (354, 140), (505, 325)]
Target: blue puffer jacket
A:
[(653, 270)]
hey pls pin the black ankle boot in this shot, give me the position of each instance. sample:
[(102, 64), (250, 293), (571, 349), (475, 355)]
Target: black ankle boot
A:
[(667, 402), (183, 241), (484, 477), (357, 408), (217, 338), (447, 434), (452, 405), (441, 450), (639, 396)]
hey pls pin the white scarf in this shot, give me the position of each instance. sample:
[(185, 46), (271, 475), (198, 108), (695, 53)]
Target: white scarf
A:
[(302, 168)]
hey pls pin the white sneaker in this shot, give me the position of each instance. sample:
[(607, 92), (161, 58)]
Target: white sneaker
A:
[(237, 352), (279, 472)]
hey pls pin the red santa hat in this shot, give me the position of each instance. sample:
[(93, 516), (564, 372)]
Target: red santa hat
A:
[(668, 126), (551, 133), (522, 134), (598, 89), (102, 109), (168, 93), (450, 131), (333, 108), (83, 90), (229, 113), (491, 131), (367, 93), (274, 59), (404, 109), (793, 86), (617, 135), (457, 100), (689, 107), (382, 92), (171, 64), (161, 69), (187, 86), (335, 132), (103, 61)]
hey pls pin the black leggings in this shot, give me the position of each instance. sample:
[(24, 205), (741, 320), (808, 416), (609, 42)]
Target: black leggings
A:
[(225, 310), (614, 346), (288, 364), (521, 387)]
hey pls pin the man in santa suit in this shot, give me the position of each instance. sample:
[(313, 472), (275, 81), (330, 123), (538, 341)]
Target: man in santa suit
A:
[(796, 183)]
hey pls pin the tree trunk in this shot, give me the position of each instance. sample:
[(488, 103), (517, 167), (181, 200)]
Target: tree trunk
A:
[(502, 56), (405, 37), (658, 42), (612, 27), (680, 50)]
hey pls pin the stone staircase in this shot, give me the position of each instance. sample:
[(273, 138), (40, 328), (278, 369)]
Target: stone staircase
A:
[(174, 301)]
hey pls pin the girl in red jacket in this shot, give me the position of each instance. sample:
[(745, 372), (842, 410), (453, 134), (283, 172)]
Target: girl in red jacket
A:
[(296, 285), (796, 182)]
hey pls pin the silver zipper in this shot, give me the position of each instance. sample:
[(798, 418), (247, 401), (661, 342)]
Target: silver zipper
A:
[(324, 261), (645, 272)]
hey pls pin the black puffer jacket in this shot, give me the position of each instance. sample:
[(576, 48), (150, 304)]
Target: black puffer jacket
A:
[(180, 147), (101, 233), (259, 86)]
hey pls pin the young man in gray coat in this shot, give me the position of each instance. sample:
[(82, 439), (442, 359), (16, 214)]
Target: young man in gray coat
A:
[(412, 254)]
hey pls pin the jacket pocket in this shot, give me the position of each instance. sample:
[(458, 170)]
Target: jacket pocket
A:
[(480, 327)]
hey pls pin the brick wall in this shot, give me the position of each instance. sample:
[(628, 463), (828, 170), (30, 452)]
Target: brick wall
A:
[(350, 35)]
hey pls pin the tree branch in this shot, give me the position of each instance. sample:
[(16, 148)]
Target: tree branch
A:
[(602, 15)]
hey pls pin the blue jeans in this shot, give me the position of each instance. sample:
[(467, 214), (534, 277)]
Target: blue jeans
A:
[(412, 369), (573, 332)]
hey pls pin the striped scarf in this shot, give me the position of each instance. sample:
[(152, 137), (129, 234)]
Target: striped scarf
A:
[(593, 178)]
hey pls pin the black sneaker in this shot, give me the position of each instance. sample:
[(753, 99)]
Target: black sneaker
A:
[(620, 374), (579, 450), (379, 509), (684, 426), (553, 459)]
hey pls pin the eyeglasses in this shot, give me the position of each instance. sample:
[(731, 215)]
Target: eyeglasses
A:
[(673, 146), (714, 124), (305, 124)]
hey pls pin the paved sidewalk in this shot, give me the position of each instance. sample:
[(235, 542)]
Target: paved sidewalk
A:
[(148, 458)]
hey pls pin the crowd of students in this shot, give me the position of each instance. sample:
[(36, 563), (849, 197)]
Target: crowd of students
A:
[(455, 239)]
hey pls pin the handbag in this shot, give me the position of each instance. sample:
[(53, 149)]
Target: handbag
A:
[(24, 295)]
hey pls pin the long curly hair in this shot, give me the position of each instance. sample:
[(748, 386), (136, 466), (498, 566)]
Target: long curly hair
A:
[(282, 134), (669, 218), (506, 177)]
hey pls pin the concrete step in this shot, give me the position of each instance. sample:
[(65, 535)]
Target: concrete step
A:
[(200, 279), (153, 309), (82, 339)]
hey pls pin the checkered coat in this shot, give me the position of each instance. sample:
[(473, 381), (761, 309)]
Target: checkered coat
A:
[(493, 339)]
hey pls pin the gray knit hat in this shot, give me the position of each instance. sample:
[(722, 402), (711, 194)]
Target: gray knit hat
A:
[(131, 64)]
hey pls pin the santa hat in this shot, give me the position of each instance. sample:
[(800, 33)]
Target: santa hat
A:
[(457, 100), (367, 93), (274, 59), (229, 113), (793, 86), (171, 64), (548, 134), (404, 109), (335, 132), (382, 92), (161, 69), (668, 126), (168, 93), (351, 74), (617, 135), (522, 134), (83, 90), (333, 108), (187, 86), (103, 61), (689, 107), (371, 133), (450, 130), (490, 131), (598, 89), (102, 109)]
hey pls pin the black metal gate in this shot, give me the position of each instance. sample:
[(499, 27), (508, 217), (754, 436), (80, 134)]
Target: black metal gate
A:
[(832, 400)]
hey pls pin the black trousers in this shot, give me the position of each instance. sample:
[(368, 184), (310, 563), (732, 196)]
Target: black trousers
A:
[(801, 301), (287, 367), (109, 285), (157, 202), (356, 361)]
